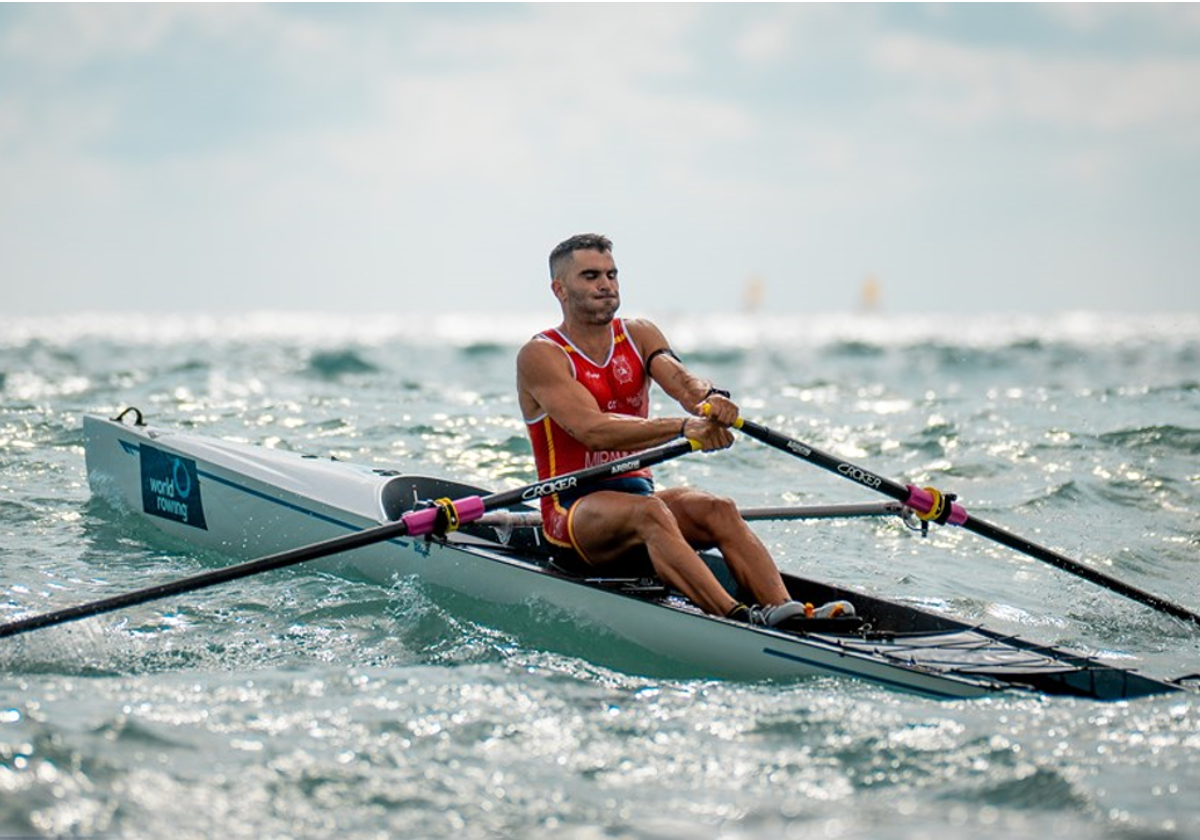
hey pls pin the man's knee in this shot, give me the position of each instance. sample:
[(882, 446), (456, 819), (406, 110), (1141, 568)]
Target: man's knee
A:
[(653, 516), (723, 521), (720, 512), (706, 518)]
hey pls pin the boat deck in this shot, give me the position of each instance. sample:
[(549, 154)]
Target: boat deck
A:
[(883, 630)]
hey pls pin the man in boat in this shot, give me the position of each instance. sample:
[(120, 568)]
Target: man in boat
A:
[(584, 393)]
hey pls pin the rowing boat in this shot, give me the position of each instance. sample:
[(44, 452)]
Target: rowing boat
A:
[(241, 500)]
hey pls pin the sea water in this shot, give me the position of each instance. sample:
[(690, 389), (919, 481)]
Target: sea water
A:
[(297, 704)]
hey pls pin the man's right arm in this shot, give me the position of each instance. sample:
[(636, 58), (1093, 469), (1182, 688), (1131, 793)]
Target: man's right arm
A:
[(545, 384)]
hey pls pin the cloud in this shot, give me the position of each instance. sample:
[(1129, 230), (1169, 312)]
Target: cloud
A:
[(62, 38), (967, 86), (1165, 24), (265, 149)]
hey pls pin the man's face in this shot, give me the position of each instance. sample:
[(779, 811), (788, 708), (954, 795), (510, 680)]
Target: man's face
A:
[(589, 290)]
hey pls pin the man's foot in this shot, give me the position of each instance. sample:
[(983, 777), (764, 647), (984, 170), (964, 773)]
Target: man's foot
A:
[(777, 614), (771, 616)]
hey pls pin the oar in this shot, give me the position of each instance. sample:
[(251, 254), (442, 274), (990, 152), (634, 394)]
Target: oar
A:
[(445, 515), (770, 513), (941, 508)]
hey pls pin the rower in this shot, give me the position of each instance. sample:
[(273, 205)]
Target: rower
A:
[(583, 389)]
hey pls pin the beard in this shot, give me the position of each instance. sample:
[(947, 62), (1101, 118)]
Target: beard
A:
[(594, 310)]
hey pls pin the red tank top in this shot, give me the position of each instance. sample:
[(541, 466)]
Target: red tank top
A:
[(619, 386)]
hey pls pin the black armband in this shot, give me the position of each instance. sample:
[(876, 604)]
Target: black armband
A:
[(661, 351), (717, 392)]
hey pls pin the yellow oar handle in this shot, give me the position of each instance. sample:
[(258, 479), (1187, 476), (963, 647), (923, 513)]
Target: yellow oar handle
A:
[(706, 410)]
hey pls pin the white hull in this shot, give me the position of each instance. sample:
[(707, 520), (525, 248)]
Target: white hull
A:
[(247, 501)]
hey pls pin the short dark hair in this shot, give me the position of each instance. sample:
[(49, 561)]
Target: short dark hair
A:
[(579, 242)]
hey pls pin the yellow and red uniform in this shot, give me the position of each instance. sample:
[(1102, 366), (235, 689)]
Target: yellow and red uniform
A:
[(620, 386)]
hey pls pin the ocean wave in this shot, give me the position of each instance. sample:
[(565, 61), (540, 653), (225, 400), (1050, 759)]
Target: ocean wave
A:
[(855, 349), (334, 364), (1155, 439), (1043, 789), (846, 333), (1066, 494), (483, 349)]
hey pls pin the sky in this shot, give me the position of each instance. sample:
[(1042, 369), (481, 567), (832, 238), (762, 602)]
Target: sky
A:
[(419, 158)]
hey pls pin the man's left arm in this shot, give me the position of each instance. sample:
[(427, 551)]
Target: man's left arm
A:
[(671, 374)]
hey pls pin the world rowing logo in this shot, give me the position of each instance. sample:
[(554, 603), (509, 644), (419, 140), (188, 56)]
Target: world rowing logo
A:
[(171, 487)]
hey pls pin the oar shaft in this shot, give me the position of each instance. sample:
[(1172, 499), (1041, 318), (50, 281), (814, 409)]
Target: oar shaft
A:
[(922, 500), (843, 511), (413, 523), (824, 460), (533, 518), (206, 579), (1047, 555), (619, 466)]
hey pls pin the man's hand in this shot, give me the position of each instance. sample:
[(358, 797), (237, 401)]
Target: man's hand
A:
[(708, 433), (719, 409)]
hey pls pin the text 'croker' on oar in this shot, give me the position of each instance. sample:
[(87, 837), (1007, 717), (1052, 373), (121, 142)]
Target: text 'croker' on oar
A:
[(934, 506), (444, 515)]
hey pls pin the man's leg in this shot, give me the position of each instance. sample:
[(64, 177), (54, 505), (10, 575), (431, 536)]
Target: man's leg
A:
[(711, 520), (606, 524), (705, 519)]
